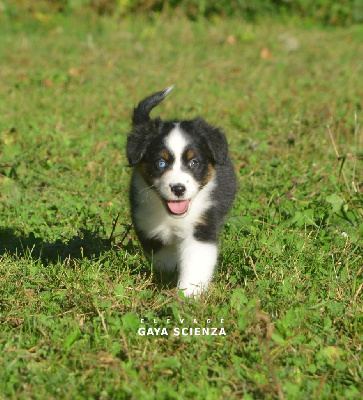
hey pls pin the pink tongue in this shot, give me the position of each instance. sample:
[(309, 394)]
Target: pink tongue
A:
[(178, 207)]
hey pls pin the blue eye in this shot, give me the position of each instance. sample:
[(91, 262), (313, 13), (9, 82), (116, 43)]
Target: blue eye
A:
[(161, 164)]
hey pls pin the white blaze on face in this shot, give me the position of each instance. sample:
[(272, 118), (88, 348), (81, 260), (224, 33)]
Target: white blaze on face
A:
[(176, 143)]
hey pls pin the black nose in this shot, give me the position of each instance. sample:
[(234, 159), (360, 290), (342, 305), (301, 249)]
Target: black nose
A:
[(178, 189)]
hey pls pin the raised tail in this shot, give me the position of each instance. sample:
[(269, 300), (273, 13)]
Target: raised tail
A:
[(142, 111)]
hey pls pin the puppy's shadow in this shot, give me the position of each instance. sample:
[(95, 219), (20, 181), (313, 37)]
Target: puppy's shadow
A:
[(85, 244)]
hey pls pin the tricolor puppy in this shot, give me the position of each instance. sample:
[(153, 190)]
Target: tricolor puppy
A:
[(182, 186)]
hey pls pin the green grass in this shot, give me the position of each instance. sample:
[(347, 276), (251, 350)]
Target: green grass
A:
[(73, 281)]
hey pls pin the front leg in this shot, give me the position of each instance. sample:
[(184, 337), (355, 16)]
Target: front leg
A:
[(197, 265), (163, 257), (166, 259)]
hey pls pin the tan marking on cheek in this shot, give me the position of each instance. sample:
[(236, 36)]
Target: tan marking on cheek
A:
[(190, 155), (209, 175), (165, 155)]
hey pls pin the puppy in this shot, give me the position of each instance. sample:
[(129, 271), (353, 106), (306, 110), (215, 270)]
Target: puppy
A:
[(182, 186)]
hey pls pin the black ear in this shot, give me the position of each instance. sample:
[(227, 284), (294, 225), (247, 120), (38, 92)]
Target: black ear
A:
[(136, 146), (142, 111), (139, 140), (214, 139)]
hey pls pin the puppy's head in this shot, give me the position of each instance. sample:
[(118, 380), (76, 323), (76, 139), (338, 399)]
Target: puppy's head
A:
[(176, 159)]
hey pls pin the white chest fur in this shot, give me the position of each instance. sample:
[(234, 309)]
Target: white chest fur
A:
[(155, 222)]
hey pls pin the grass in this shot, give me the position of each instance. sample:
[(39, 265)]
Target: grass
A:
[(73, 281)]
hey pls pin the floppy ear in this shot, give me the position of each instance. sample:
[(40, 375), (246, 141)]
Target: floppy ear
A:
[(139, 140), (214, 139), (136, 147)]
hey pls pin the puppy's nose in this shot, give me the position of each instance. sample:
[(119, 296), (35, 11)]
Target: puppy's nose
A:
[(178, 189)]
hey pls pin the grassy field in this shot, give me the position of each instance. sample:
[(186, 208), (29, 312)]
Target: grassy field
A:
[(73, 281)]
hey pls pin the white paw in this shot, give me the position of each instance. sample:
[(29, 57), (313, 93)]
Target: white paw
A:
[(191, 290)]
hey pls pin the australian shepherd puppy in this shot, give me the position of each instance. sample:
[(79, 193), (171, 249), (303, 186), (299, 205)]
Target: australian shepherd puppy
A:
[(182, 186)]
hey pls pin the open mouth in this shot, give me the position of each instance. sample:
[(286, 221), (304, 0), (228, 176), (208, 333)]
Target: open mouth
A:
[(178, 207)]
